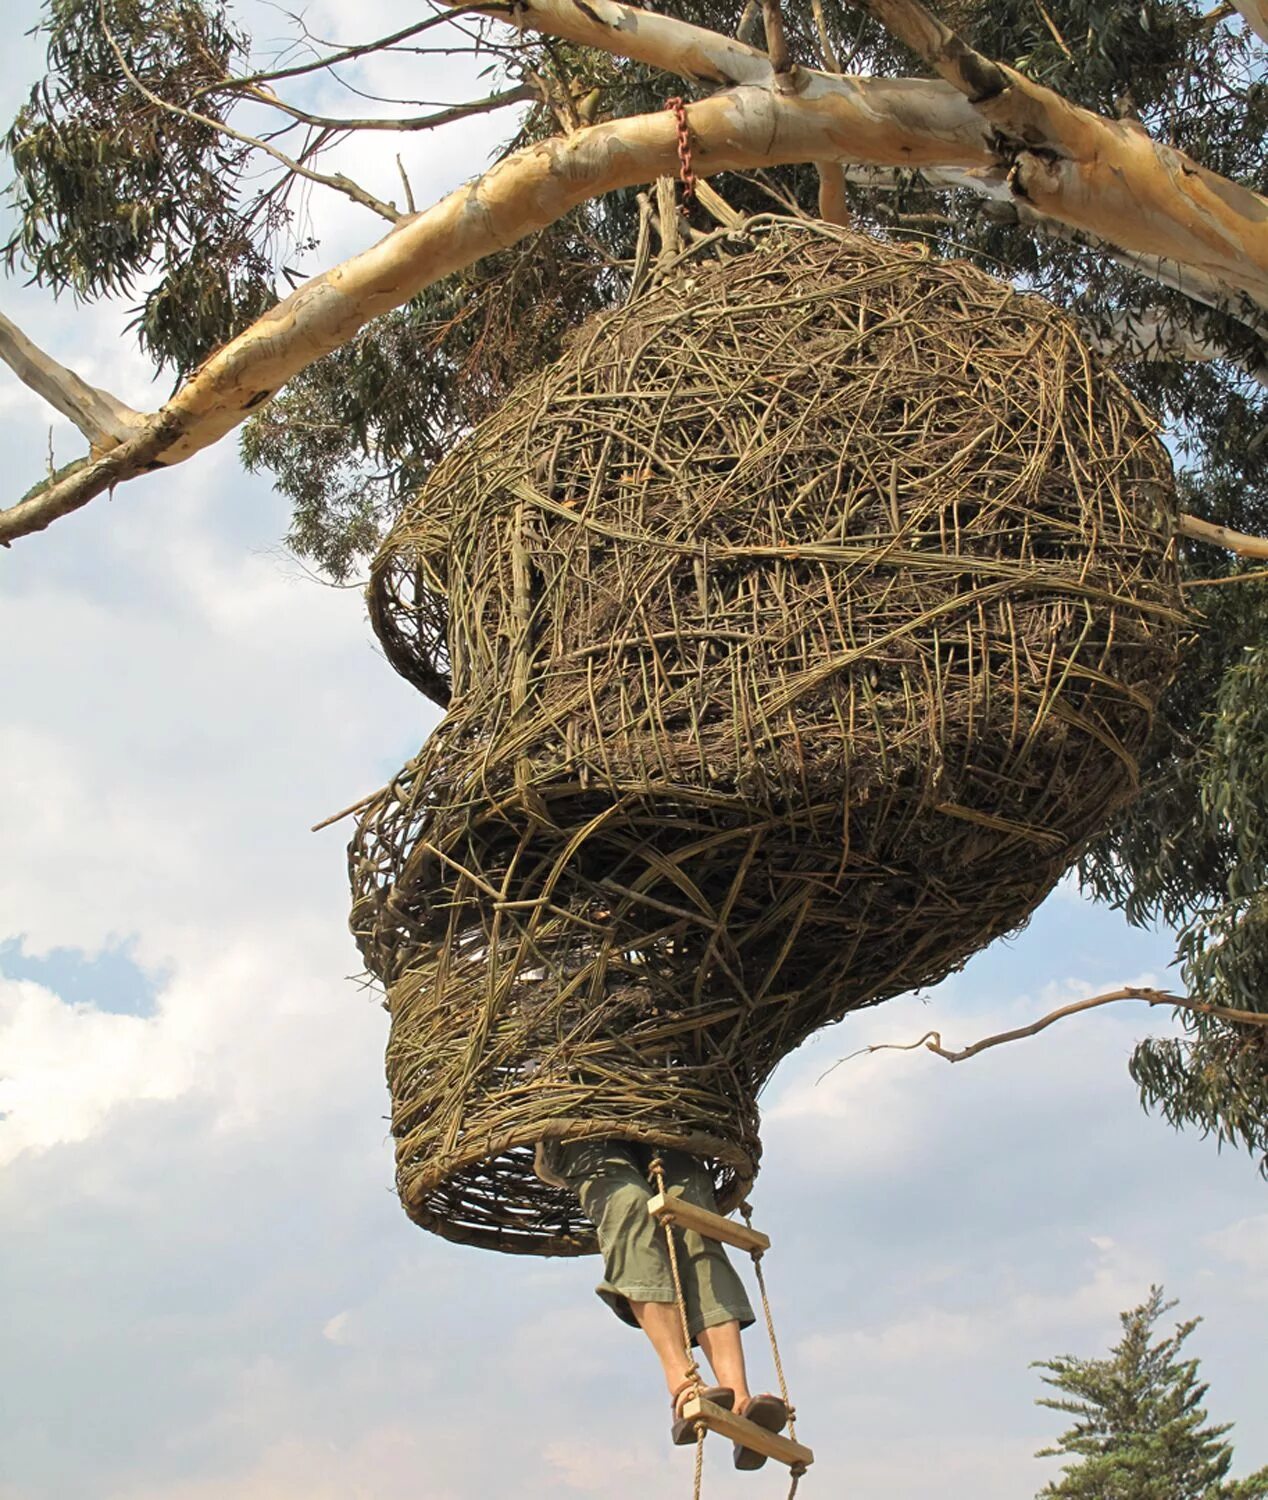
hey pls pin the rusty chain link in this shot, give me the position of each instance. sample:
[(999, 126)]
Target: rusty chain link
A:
[(685, 173)]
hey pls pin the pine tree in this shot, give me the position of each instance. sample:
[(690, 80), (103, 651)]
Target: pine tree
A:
[(1140, 1430)]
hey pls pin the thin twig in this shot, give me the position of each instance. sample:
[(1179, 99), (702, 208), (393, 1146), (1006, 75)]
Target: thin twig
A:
[(932, 1040), (345, 54), (347, 812), (517, 95), (338, 181), (1254, 576)]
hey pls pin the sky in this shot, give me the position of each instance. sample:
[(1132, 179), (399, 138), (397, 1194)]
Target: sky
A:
[(207, 1288)]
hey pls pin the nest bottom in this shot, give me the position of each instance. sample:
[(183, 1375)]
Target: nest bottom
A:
[(465, 1159)]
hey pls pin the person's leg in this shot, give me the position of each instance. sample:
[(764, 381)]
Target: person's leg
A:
[(614, 1191), (663, 1326), (714, 1293), (724, 1350)]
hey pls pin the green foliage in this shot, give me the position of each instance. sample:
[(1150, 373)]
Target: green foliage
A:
[(113, 191), (357, 432), (1140, 1429)]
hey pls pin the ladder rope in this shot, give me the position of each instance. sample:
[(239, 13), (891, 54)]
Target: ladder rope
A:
[(797, 1470), (747, 1210), (656, 1171)]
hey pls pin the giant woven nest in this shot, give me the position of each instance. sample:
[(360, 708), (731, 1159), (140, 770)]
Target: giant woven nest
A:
[(798, 628)]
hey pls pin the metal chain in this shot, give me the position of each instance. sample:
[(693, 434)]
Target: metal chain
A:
[(656, 1171), (685, 172)]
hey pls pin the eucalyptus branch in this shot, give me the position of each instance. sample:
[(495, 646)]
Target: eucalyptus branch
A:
[(1223, 536), (337, 181), (1255, 14), (517, 95), (776, 38), (1155, 336), (975, 76), (830, 59), (346, 54), (932, 1040), (102, 418)]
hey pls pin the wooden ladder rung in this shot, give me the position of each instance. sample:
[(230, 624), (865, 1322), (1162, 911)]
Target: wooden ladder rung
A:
[(740, 1430), (667, 1209)]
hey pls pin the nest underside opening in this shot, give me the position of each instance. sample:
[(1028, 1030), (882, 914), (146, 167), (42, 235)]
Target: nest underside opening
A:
[(798, 629)]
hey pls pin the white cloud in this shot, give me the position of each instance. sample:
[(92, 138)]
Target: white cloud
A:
[(336, 1329), (593, 1468), (1245, 1244), (389, 1462), (64, 1067)]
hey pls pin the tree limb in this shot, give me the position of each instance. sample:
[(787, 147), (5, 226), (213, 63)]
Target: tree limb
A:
[(1255, 14), (1155, 336), (1113, 183), (734, 130), (1223, 536), (520, 94), (932, 1040), (102, 418)]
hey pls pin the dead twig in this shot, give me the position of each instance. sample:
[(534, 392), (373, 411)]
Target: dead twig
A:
[(932, 1040)]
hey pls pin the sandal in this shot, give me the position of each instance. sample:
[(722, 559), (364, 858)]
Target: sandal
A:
[(764, 1411), (684, 1428)]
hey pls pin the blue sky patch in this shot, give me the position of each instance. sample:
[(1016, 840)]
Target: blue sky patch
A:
[(111, 980)]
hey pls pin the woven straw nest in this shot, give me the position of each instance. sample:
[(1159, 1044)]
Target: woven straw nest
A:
[(804, 621)]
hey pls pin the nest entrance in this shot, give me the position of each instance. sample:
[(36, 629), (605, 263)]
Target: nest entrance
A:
[(801, 624)]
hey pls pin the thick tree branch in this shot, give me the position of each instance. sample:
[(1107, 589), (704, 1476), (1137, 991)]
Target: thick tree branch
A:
[(1255, 14), (1103, 177), (932, 1040), (1157, 336), (1114, 184), (1223, 536), (735, 130), (102, 418)]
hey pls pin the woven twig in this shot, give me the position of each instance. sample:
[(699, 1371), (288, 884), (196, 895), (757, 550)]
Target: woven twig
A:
[(805, 620)]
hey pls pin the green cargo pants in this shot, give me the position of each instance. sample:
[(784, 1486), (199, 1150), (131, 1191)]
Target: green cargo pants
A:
[(610, 1178)]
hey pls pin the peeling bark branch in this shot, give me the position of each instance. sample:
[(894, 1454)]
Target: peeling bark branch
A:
[(1223, 536), (976, 77), (932, 1040), (1161, 337), (1103, 177), (102, 418), (732, 131), (1090, 176), (1255, 14)]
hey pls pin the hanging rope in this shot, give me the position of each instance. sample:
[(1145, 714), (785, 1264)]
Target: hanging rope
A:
[(656, 1171), (746, 1209)]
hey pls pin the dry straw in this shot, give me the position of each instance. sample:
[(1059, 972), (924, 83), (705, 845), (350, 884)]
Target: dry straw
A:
[(805, 620)]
